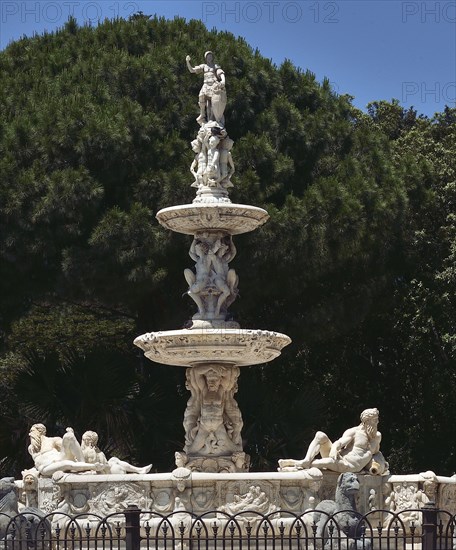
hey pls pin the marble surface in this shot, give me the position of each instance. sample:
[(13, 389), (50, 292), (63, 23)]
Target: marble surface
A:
[(201, 492), (357, 450), (213, 286), (232, 218), (54, 455), (237, 347)]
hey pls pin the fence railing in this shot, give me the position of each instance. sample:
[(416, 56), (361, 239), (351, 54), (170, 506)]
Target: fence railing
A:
[(426, 529)]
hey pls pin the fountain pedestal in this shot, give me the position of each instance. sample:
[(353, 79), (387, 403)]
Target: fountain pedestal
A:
[(213, 347)]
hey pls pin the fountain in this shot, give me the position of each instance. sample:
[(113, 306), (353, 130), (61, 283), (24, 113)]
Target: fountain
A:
[(212, 347), (212, 470)]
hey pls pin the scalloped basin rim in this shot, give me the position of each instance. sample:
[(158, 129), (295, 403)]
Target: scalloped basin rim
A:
[(190, 347), (193, 218)]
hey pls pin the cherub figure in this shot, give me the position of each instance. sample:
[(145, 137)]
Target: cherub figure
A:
[(226, 162), (199, 164)]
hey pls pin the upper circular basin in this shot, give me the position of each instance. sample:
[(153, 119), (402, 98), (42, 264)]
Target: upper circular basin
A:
[(194, 218)]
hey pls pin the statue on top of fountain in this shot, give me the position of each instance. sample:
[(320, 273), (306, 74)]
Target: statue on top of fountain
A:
[(212, 96), (357, 450), (213, 165)]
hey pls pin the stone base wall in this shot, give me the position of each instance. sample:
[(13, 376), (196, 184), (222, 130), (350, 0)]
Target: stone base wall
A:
[(262, 492)]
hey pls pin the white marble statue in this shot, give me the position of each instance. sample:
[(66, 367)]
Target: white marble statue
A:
[(114, 465), (358, 449), (29, 497), (212, 420), (213, 286), (65, 454), (199, 164), (213, 161), (213, 164), (54, 454), (227, 168), (212, 96)]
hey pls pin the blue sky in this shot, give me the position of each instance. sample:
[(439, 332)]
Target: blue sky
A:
[(371, 49)]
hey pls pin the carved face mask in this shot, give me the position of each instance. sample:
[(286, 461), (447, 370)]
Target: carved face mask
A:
[(213, 381)]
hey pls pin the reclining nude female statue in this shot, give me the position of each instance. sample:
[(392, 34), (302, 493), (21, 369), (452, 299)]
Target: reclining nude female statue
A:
[(114, 465)]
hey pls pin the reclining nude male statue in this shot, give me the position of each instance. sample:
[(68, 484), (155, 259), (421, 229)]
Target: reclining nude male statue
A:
[(65, 454), (54, 454), (358, 449)]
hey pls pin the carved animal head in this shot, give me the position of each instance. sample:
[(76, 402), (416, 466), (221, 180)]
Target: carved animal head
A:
[(8, 496), (348, 483), (6, 486)]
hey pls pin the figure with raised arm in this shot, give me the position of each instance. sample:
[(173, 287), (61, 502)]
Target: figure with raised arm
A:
[(225, 279), (214, 427), (212, 96), (199, 251)]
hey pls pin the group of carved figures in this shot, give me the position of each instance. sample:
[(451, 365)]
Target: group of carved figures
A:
[(213, 165), (66, 454), (212, 419), (213, 286), (213, 425)]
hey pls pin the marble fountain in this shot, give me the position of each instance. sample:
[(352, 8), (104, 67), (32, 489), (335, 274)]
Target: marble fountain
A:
[(212, 470)]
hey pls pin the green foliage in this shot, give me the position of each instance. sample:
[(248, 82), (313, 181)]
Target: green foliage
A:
[(357, 263)]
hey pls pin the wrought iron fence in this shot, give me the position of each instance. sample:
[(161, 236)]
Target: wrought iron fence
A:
[(133, 529)]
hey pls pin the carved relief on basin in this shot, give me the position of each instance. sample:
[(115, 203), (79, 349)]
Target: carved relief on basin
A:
[(193, 218), (240, 347)]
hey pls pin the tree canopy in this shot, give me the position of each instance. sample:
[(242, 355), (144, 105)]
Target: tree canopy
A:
[(357, 263)]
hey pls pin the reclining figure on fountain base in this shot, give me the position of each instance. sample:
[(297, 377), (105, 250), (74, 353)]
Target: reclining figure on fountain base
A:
[(357, 450), (65, 454)]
